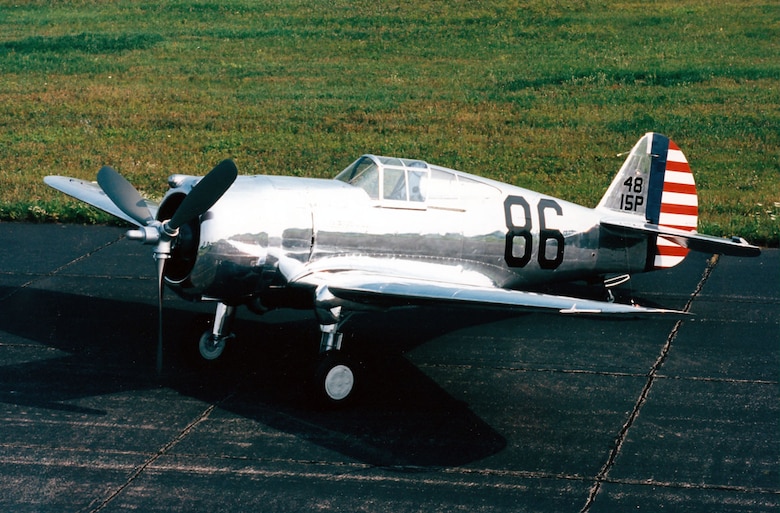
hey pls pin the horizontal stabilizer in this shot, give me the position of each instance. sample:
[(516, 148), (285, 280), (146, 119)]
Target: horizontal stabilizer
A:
[(690, 240), (90, 192)]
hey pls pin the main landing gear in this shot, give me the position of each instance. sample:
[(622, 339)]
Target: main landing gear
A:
[(212, 342), (335, 375)]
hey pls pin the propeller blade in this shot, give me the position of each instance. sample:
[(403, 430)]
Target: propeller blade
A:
[(124, 195), (160, 294), (205, 193)]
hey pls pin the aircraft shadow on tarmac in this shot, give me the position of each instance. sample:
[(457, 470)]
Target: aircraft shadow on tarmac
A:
[(400, 418)]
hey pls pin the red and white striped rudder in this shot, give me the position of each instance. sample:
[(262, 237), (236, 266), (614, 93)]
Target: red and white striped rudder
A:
[(679, 206)]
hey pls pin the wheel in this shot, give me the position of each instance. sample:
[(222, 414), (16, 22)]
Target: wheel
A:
[(211, 346), (335, 379)]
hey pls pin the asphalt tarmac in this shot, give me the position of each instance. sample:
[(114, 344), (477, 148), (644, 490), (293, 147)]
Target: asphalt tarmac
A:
[(458, 411)]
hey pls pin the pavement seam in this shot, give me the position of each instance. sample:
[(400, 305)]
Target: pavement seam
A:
[(39, 277), (165, 449), (588, 372), (652, 375)]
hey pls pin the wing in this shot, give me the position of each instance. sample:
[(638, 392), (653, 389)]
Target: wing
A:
[(691, 240), (383, 290), (90, 192)]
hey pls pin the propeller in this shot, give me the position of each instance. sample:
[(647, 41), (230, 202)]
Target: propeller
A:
[(162, 234), (124, 195)]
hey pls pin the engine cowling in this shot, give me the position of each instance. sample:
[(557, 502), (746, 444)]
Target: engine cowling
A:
[(232, 252)]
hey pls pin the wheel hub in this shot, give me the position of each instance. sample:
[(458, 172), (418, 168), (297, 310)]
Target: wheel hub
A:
[(339, 382)]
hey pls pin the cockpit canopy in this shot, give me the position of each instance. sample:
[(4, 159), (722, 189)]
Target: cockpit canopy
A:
[(388, 178), (413, 183)]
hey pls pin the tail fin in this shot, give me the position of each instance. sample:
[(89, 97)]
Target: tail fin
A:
[(656, 185)]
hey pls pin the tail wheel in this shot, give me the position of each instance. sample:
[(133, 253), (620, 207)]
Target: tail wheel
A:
[(335, 379)]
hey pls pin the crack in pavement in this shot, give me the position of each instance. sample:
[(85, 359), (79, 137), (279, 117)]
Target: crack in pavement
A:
[(165, 449), (652, 375)]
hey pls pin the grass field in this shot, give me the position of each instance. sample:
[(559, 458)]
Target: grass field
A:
[(543, 94)]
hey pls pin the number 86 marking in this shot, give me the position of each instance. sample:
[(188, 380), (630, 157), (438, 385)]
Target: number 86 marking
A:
[(519, 239)]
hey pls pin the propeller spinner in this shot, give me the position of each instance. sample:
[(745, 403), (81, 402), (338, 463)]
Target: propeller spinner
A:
[(162, 233)]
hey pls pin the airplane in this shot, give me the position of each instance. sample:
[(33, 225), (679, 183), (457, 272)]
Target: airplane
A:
[(389, 232)]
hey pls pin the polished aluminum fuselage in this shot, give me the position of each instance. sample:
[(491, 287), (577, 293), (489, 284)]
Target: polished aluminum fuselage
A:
[(268, 230)]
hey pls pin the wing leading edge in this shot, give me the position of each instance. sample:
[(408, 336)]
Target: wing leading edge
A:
[(380, 290)]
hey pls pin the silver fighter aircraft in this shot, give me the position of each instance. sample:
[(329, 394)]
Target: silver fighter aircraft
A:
[(396, 232)]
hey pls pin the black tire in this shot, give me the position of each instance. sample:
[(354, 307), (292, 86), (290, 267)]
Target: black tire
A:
[(210, 349)]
